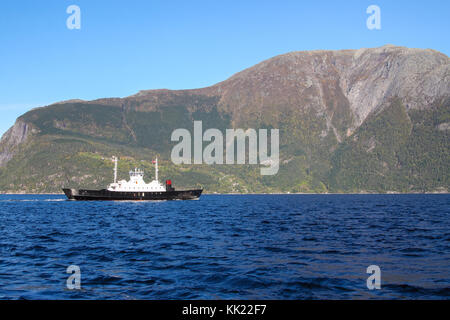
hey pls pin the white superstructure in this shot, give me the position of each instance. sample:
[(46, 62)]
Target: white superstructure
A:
[(136, 182)]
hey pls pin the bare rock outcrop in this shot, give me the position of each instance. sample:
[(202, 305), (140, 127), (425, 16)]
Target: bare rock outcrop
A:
[(16, 135), (364, 79)]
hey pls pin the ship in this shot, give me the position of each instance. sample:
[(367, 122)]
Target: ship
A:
[(134, 190)]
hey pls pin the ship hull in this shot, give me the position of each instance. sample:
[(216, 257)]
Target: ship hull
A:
[(106, 195)]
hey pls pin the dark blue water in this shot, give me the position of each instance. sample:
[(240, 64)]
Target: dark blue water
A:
[(226, 247)]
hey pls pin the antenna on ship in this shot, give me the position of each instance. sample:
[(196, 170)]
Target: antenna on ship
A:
[(115, 168)]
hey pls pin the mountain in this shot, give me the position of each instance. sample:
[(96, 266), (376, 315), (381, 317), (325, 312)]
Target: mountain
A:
[(367, 120)]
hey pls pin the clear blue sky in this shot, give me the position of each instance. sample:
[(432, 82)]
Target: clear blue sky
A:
[(125, 46)]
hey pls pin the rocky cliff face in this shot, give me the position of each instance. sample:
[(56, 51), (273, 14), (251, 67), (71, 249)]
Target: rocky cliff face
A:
[(327, 82), (10, 141), (362, 80), (349, 120)]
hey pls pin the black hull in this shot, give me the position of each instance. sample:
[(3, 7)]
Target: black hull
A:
[(106, 195)]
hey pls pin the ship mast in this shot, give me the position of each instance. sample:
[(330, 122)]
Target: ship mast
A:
[(115, 168), (156, 169)]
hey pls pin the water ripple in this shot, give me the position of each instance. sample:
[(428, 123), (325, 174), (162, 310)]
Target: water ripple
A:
[(226, 247)]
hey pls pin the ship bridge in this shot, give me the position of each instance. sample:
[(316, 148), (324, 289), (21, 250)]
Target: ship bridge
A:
[(136, 182)]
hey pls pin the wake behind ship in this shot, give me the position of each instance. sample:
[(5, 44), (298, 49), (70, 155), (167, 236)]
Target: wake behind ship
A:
[(134, 189)]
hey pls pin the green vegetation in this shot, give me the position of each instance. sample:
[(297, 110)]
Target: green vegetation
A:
[(394, 150)]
